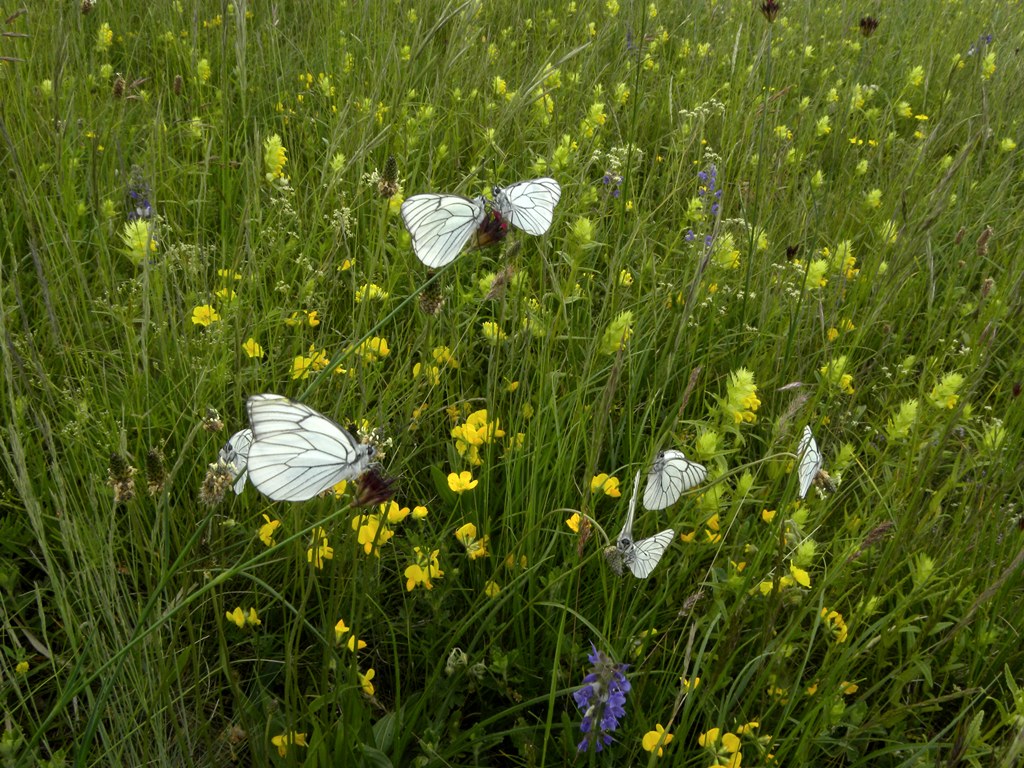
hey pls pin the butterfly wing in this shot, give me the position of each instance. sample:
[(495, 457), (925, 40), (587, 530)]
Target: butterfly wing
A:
[(236, 454), (671, 475), (296, 452), (529, 205), (645, 555), (625, 540), (441, 225), (810, 461)]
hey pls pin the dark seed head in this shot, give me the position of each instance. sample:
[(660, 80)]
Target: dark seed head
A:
[(868, 25), (770, 9)]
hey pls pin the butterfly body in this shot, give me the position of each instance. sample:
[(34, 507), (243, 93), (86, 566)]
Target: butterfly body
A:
[(442, 225), (297, 452), (235, 453)]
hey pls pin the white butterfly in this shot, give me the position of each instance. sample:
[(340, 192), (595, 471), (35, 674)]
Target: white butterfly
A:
[(529, 205), (235, 454), (671, 475), (641, 557), (442, 225), (297, 453), (810, 461)]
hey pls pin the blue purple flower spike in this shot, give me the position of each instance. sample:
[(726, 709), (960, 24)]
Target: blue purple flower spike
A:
[(710, 196), (602, 700)]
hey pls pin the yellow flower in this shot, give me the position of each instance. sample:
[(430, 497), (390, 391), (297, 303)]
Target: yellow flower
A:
[(364, 681), (741, 401), (370, 292), (240, 618), (848, 688), (605, 484), (22, 667), (944, 393), (274, 158), (834, 621), (374, 349), (320, 549), (690, 685), (138, 239), (574, 522), (302, 365), (284, 740), (800, 576), (302, 316), (104, 37), (371, 533), (767, 515), (444, 356), (393, 512), (724, 746), (474, 547), (491, 589), (657, 739), (268, 531), (252, 348), (475, 432), (493, 332), (354, 644), (835, 374), (461, 482), (340, 630), (423, 570), (418, 513), (204, 315), (617, 333)]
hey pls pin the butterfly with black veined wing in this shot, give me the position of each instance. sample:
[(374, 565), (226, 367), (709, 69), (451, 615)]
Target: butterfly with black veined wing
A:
[(528, 205), (235, 454), (671, 475), (641, 557), (809, 470), (298, 453), (442, 225)]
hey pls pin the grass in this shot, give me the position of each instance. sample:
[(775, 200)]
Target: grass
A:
[(861, 278)]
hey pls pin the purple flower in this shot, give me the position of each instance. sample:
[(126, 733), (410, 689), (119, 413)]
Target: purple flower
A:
[(602, 700)]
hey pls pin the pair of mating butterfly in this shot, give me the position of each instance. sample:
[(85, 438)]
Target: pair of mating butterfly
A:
[(442, 225), (292, 453), (671, 475)]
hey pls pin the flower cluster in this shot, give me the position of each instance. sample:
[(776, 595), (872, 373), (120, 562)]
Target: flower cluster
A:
[(475, 547), (741, 402), (606, 485), (617, 333), (835, 374), (474, 432), (945, 393), (274, 159), (602, 700), (424, 570)]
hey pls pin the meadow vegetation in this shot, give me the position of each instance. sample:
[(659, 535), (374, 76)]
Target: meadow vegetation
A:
[(810, 218)]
